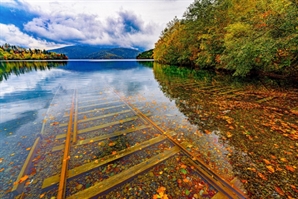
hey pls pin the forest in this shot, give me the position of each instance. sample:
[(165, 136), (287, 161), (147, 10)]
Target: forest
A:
[(12, 52), (240, 37)]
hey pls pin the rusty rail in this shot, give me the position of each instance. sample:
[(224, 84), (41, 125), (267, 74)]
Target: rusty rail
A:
[(63, 177)]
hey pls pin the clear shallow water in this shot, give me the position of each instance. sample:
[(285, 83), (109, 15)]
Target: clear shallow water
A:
[(216, 118)]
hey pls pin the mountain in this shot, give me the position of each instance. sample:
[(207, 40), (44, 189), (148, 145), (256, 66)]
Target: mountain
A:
[(97, 52)]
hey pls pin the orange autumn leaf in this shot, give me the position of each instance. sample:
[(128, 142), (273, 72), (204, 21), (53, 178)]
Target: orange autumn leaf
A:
[(207, 132), (294, 188), (114, 152), (25, 177), (54, 123), (112, 144), (183, 166), (262, 176), (270, 168), (2, 169), (229, 134), (85, 117), (290, 168), (161, 190), (37, 158), (42, 195), (279, 190), (266, 161), (28, 149)]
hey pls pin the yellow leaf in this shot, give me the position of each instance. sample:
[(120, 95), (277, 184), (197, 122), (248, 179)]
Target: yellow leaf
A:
[(270, 168)]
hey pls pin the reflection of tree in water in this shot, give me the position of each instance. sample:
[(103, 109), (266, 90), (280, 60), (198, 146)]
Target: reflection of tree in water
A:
[(146, 63), (20, 67), (258, 125)]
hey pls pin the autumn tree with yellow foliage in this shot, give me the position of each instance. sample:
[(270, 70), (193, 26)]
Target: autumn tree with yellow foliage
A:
[(239, 36)]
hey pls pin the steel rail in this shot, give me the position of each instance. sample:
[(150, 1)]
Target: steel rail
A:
[(63, 177)]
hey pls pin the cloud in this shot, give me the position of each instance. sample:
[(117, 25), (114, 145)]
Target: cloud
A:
[(90, 29), (93, 22), (12, 35)]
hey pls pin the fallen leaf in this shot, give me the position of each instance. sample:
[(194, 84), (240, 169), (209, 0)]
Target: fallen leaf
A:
[(54, 123), (161, 190), (229, 134), (112, 144), (2, 169), (290, 168), (42, 195), (266, 161), (262, 176), (270, 168), (294, 188), (28, 149), (279, 190), (22, 179)]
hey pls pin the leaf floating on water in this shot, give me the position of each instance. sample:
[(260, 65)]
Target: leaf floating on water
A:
[(28, 149), (2, 169), (42, 195), (85, 117), (279, 190)]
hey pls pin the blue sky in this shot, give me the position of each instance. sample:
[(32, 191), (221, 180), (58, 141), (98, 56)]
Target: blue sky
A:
[(49, 24)]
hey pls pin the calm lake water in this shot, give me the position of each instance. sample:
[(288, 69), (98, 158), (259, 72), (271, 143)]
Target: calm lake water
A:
[(245, 131)]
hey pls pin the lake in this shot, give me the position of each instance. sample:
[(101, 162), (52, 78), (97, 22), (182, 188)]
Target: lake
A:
[(139, 129)]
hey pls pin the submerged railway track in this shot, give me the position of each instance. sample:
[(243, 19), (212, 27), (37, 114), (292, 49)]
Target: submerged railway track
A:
[(102, 142)]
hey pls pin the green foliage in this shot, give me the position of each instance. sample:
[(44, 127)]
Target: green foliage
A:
[(8, 52), (236, 35), (146, 55)]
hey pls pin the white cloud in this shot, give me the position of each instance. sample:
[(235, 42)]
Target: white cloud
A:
[(12, 35), (125, 29), (101, 21)]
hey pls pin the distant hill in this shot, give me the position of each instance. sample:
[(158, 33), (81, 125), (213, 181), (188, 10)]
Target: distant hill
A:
[(97, 52), (146, 54)]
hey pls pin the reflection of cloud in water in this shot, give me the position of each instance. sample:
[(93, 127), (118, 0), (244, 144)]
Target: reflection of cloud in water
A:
[(29, 81), (29, 92)]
